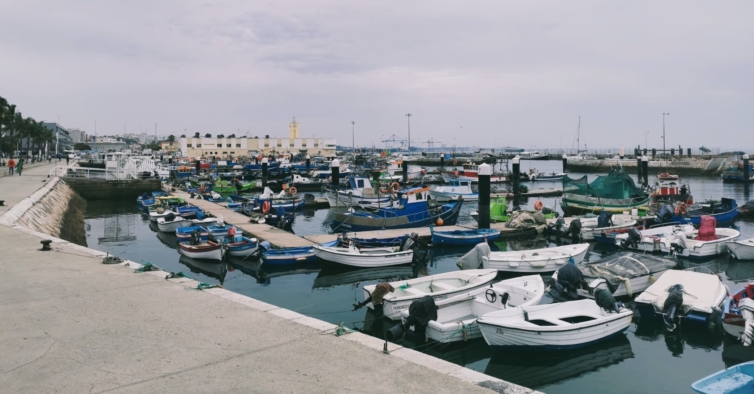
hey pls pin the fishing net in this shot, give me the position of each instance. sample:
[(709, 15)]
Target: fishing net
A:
[(623, 266)]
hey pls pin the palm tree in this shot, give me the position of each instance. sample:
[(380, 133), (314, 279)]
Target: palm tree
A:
[(171, 139), (196, 135), (208, 135)]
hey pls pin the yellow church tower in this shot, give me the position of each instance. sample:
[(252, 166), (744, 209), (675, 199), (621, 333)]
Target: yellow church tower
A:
[(293, 129)]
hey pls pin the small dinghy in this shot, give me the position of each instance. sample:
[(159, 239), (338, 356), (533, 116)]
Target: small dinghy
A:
[(683, 296), (243, 248), (737, 310), (304, 254), (205, 251), (159, 213), (561, 326), (738, 379), (590, 227), (624, 273), (344, 239), (684, 241), (456, 316), (440, 287), (456, 188), (742, 249), (185, 234), (535, 260), (219, 231), (170, 223), (367, 257), (463, 237), (206, 222)]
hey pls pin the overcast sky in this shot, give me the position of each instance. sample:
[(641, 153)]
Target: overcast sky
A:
[(520, 72)]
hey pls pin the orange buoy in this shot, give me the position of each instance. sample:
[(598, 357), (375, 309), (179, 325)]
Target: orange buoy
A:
[(292, 191), (538, 205), (266, 207), (439, 221)]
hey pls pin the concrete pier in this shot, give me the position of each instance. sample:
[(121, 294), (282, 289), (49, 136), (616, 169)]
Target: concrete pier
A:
[(72, 324)]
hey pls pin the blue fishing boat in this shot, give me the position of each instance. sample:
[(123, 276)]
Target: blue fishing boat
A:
[(184, 234), (243, 248), (258, 167), (219, 231), (724, 212), (304, 254), (464, 237), (151, 196), (189, 211), (738, 379), (413, 209)]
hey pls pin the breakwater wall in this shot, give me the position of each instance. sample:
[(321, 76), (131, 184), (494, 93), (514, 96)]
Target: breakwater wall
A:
[(60, 213), (714, 166), (101, 189)]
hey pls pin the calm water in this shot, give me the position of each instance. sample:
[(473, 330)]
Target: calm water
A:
[(643, 360)]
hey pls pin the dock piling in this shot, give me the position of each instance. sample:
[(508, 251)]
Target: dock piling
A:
[(747, 175), (308, 163), (638, 165), (565, 163), (335, 168), (485, 170), (645, 169), (264, 172), (404, 167), (516, 165)]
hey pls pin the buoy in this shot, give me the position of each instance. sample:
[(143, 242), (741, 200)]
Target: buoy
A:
[(439, 221), (538, 205), (266, 207), (292, 191)]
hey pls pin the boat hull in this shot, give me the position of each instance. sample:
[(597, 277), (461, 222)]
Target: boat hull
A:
[(243, 249), (447, 196), (170, 227), (742, 249), (525, 262), (575, 204), (202, 252), (365, 260), (463, 237), (346, 221)]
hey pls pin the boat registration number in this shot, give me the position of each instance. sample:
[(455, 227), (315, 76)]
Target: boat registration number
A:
[(499, 331)]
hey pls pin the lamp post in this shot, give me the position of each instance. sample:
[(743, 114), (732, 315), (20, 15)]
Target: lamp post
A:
[(494, 145), (561, 143), (663, 131), (353, 138), (409, 133), (645, 139)]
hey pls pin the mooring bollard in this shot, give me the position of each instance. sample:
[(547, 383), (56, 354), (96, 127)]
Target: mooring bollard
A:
[(404, 167), (308, 163), (335, 168), (516, 165), (264, 172), (565, 163), (645, 169), (485, 170)]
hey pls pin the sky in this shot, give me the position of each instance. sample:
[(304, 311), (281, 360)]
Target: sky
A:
[(478, 73)]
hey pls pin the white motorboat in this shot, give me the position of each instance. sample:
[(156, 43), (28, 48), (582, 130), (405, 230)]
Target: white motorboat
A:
[(552, 176), (440, 287), (207, 221), (559, 326), (456, 188), (535, 260), (594, 226), (742, 249), (623, 273), (683, 243), (650, 235), (160, 213), (206, 250), (456, 316), (169, 226), (366, 257), (697, 296)]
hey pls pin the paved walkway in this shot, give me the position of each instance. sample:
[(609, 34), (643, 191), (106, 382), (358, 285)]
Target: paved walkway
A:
[(72, 324)]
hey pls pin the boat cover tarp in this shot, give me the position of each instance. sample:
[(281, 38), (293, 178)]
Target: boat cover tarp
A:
[(700, 290), (615, 185), (747, 208), (623, 266), (473, 259)]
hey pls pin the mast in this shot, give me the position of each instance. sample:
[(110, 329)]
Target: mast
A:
[(578, 137)]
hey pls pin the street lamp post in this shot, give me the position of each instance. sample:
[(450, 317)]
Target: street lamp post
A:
[(409, 133), (645, 139), (561, 143), (353, 138), (663, 131)]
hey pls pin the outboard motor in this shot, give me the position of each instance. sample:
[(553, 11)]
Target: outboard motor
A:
[(170, 217), (605, 219), (195, 237), (574, 229), (606, 301), (566, 287), (558, 226), (666, 214), (420, 313), (634, 237), (672, 303)]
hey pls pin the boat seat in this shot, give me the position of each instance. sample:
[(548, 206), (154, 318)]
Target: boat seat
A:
[(411, 290), (443, 286)]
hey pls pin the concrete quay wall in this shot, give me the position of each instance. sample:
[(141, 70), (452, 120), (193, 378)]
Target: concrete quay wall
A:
[(100, 189)]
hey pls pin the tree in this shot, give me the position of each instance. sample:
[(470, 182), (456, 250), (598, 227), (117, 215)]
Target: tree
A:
[(256, 137), (232, 136), (81, 146), (183, 135), (266, 136), (221, 136), (171, 139), (208, 135), (196, 135), (704, 149)]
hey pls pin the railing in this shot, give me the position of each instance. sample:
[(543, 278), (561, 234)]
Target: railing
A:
[(109, 174)]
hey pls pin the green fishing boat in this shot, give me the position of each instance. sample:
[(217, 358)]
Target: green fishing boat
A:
[(615, 192)]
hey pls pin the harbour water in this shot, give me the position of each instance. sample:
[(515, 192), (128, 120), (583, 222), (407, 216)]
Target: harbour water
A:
[(645, 359)]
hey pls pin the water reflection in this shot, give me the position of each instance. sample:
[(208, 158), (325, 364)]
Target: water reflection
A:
[(734, 352), (542, 369), (212, 269), (677, 340), (337, 275), (264, 273), (740, 271)]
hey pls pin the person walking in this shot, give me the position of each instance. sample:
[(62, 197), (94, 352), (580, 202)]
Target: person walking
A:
[(66, 159), (20, 166), (11, 166)]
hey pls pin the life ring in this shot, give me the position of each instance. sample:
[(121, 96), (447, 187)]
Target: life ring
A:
[(538, 205), (681, 209), (455, 173), (292, 191), (455, 162), (395, 187), (265, 207), (385, 191)]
